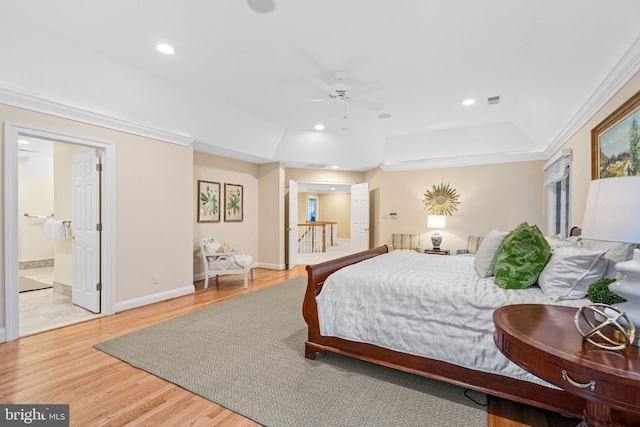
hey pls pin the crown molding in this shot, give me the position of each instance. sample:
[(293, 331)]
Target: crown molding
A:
[(625, 70), (472, 160), (30, 102)]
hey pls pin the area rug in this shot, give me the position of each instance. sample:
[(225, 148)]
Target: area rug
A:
[(247, 354)]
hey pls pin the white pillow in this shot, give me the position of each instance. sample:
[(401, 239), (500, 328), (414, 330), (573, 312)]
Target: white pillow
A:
[(615, 252), (570, 271), (485, 257), (211, 248), (558, 242)]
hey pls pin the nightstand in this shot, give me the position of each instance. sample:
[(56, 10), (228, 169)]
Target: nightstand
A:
[(543, 340), (438, 251)]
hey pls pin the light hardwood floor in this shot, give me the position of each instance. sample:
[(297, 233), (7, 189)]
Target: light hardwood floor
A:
[(61, 366)]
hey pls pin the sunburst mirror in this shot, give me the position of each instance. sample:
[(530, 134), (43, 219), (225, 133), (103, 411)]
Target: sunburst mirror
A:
[(441, 200)]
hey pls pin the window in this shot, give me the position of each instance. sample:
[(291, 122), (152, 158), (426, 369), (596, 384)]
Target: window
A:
[(312, 209), (557, 175)]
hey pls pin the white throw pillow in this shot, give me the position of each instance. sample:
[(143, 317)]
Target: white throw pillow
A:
[(211, 248), (615, 252), (570, 271), (485, 258), (558, 242)]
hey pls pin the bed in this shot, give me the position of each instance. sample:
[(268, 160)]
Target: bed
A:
[(460, 314)]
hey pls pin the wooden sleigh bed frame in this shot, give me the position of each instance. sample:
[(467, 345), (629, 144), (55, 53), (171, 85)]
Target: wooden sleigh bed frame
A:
[(495, 385)]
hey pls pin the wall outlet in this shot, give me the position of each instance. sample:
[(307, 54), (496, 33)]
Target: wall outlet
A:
[(154, 279)]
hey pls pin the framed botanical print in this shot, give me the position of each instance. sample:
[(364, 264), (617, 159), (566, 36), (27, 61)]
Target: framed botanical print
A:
[(208, 201), (233, 202), (615, 143)]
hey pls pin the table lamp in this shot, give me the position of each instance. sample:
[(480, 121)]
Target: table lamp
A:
[(612, 213), (437, 222)]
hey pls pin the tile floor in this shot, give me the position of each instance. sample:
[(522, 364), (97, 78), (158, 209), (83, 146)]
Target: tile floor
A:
[(44, 309)]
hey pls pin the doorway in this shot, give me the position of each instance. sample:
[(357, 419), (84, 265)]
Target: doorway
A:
[(47, 254), (322, 201), (13, 215)]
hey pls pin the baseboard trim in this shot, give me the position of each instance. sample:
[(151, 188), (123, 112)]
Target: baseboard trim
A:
[(150, 299), (200, 276), (271, 266), (3, 335)]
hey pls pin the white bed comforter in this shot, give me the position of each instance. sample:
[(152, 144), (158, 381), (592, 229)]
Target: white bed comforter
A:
[(427, 305)]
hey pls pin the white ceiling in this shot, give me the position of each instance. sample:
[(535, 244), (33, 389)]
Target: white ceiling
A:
[(238, 82)]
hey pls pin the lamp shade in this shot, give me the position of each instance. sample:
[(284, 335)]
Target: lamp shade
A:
[(437, 221), (612, 212)]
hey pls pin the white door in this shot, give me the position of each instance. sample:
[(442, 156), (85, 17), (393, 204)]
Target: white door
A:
[(359, 217), (86, 237), (292, 227)]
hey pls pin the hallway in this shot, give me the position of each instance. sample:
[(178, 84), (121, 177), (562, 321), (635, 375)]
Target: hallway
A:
[(341, 248)]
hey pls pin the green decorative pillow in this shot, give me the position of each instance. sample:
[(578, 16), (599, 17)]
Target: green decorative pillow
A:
[(521, 257)]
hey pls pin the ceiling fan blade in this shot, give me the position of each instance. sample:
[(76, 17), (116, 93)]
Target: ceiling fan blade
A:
[(366, 88), (317, 100), (322, 85), (365, 103)]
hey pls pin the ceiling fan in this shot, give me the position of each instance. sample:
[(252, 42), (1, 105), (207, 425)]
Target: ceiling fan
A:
[(342, 92)]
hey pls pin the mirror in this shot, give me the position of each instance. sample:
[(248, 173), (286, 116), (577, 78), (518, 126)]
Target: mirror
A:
[(441, 200)]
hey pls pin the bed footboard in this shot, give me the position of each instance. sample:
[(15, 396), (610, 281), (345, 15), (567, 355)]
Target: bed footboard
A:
[(316, 275)]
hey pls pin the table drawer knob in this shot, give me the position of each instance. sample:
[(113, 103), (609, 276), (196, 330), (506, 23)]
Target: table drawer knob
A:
[(591, 384)]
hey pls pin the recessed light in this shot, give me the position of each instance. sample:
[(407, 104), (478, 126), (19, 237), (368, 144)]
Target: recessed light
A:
[(262, 6), (468, 102), (334, 167), (166, 49), (384, 115), (319, 127)]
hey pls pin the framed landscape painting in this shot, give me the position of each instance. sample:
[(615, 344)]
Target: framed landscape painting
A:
[(615, 143), (208, 201), (233, 202)]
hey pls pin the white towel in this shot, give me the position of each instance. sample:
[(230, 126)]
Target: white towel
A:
[(55, 229)]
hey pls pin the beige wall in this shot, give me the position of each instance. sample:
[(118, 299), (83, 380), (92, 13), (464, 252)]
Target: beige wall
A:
[(491, 196), (271, 221), (35, 197), (580, 143), (336, 207), (244, 234), (373, 177), (154, 206)]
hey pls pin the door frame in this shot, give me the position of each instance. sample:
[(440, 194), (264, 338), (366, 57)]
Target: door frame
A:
[(12, 132)]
